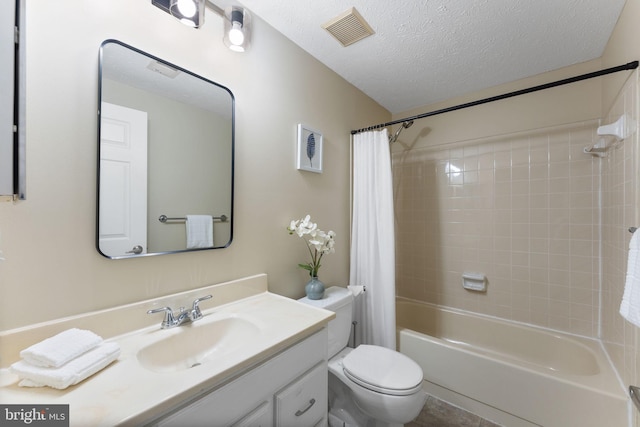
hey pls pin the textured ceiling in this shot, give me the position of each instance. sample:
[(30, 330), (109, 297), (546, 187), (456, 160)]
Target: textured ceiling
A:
[(424, 51)]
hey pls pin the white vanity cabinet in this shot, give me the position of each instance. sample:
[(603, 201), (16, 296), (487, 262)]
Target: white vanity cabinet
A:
[(299, 404), (288, 390)]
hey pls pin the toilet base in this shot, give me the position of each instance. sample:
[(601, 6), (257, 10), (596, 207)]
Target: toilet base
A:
[(367, 409), (338, 421), (340, 418), (344, 411)]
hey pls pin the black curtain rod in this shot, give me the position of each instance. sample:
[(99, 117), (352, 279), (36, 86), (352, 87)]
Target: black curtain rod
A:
[(629, 66)]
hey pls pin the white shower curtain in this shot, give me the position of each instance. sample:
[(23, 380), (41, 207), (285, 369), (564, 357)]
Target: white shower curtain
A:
[(373, 239)]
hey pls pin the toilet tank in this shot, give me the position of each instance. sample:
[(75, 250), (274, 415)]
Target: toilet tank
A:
[(340, 301)]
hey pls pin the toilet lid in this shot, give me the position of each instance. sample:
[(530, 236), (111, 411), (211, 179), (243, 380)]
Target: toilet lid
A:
[(383, 370)]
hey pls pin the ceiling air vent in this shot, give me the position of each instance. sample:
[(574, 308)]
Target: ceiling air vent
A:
[(349, 27)]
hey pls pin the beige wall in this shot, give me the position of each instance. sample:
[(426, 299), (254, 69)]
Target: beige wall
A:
[(623, 47), (559, 105), (52, 268), (620, 198), (619, 212)]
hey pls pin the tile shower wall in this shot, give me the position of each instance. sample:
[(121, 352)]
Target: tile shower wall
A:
[(619, 212), (521, 209)]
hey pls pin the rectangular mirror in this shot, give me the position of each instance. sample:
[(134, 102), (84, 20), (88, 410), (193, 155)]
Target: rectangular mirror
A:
[(165, 157)]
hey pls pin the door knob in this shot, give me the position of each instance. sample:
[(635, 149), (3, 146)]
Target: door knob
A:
[(137, 249)]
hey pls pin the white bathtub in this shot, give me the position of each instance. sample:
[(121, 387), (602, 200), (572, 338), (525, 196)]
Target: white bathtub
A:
[(513, 374)]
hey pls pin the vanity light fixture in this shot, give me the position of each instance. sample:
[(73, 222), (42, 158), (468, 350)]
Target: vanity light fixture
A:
[(237, 20), (237, 28), (189, 12)]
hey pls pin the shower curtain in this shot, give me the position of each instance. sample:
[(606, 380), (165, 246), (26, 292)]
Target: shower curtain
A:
[(373, 239)]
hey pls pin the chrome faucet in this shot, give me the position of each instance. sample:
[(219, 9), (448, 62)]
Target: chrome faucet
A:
[(171, 321)]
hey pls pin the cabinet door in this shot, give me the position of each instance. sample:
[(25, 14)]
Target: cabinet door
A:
[(262, 416), (303, 402)]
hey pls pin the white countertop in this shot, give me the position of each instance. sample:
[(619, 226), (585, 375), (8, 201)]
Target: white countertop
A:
[(126, 393)]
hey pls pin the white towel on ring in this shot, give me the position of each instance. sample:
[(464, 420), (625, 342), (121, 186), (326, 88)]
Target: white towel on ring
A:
[(61, 348), (630, 306), (70, 373), (199, 231)]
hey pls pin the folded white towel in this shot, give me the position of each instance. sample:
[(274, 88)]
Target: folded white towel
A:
[(60, 349), (69, 374), (630, 306), (199, 231)]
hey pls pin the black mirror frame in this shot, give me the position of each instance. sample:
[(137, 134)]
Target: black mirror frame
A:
[(97, 216)]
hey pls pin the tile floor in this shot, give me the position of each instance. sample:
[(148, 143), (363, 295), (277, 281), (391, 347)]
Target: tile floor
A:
[(437, 413)]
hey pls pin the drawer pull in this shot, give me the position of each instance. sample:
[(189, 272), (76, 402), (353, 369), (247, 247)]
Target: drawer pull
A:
[(300, 412)]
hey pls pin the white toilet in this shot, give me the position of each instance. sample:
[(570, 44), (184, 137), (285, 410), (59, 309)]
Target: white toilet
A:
[(369, 386)]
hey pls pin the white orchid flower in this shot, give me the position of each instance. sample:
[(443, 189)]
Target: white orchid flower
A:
[(318, 242)]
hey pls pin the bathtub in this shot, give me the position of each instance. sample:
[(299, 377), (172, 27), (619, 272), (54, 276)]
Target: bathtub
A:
[(512, 374)]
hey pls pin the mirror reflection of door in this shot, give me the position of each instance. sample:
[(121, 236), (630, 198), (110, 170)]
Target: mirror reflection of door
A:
[(123, 189)]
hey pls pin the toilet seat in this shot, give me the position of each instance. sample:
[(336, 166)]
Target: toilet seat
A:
[(383, 370)]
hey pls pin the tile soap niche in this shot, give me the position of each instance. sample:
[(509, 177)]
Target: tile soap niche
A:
[(474, 282)]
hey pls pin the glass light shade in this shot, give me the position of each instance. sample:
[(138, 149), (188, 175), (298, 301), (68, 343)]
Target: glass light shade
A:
[(237, 28), (236, 36), (189, 12)]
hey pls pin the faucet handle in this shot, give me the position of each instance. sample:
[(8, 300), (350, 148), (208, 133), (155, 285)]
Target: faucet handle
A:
[(169, 320), (195, 309)]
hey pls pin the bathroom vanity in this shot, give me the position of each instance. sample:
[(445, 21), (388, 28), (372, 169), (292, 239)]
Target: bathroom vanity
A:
[(255, 358), (289, 389)]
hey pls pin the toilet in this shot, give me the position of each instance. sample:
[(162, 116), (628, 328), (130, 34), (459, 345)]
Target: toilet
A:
[(369, 386)]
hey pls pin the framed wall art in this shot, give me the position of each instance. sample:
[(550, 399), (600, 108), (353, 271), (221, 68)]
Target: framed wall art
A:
[(309, 156)]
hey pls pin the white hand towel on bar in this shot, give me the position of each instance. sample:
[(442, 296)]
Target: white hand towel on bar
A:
[(59, 349), (630, 306), (199, 231), (70, 373)]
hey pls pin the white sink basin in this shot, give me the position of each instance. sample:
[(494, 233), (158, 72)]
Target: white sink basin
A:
[(198, 343)]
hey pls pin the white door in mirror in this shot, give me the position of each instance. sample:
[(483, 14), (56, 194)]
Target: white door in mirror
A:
[(123, 183)]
